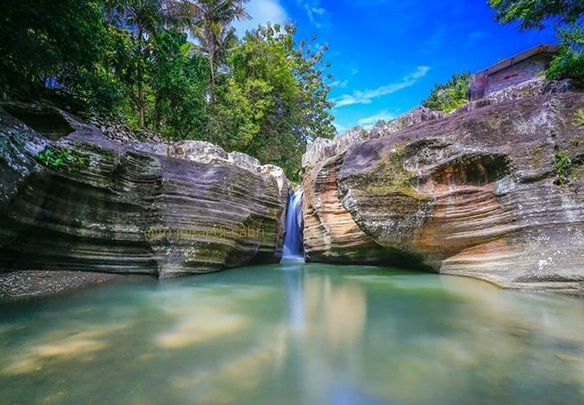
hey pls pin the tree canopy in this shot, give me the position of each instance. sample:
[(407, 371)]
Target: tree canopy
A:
[(567, 18), (275, 96), (450, 95), (174, 66), (533, 14)]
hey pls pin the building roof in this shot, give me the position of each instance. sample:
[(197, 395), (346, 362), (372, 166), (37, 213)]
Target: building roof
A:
[(536, 50)]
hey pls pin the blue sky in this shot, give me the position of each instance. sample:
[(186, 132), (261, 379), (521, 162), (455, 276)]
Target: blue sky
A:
[(386, 55)]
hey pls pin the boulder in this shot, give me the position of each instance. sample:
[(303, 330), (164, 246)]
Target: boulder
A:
[(321, 149), (198, 151), (88, 203), (330, 233), (244, 161), (494, 193), (530, 88), (318, 150)]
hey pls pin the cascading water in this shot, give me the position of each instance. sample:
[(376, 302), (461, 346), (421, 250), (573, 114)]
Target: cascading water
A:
[(293, 239)]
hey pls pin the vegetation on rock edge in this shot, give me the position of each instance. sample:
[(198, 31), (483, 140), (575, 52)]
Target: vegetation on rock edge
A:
[(132, 62)]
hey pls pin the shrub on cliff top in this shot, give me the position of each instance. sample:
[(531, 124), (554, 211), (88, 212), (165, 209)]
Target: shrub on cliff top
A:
[(449, 96)]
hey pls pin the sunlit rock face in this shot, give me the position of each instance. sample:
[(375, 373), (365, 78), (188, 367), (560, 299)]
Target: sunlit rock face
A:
[(494, 193), (97, 205), (330, 233), (322, 149)]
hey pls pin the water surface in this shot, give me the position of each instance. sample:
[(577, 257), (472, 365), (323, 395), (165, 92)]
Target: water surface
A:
[(294, 334)]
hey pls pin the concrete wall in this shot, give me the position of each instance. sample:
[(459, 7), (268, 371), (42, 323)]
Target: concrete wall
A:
[(516, 74)]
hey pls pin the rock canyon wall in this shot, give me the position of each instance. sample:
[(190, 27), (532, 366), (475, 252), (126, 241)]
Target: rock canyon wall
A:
[(494, 193), (84, 202)]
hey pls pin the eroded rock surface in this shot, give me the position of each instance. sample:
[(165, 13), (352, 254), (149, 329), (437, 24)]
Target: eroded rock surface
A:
[(96, 205), (494, 193), (330, 233), (322, 149)]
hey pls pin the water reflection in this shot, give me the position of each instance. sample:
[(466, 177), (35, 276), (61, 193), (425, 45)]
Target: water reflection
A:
[(346, 315), (341, 308), (348, 395), (295, 296), (314, 299), (295, 334), (60, 345)]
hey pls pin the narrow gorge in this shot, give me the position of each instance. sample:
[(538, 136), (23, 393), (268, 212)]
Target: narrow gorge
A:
[(491, 191)]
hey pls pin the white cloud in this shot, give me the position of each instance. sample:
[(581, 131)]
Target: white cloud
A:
[(369, 122), (262, 12), (339, 84), (366, 97), (316, 13), (419, 73), (340, 129)]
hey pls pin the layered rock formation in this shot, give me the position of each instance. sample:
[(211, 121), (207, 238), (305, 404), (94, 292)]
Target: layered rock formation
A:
[(325, 148), (493, 193), (84, 202), (322, 149)]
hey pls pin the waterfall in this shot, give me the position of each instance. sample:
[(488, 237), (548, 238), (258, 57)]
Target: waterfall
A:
[(293, 238)]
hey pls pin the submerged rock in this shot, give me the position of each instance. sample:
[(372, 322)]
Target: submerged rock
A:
[(494, 193), (87, 203)]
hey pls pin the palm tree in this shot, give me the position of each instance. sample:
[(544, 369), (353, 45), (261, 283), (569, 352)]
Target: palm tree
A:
[(143, 19), (211, 26)]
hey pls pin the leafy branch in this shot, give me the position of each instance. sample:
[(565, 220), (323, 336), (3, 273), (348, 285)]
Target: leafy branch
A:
[(60, 159)]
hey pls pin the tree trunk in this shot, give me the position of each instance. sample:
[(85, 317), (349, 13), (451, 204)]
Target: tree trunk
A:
[(211, 63), (141, 118), (141, 98), (211, 51)]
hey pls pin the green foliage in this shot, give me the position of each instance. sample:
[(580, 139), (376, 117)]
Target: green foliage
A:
[(130, 60), (533, 14), (569, 62), (563, 167), (60, 159), (275, 100), (178, 83), (211, 25), (234, 117), (579, 119), (450, 95), (44, 47), (566, 16)]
